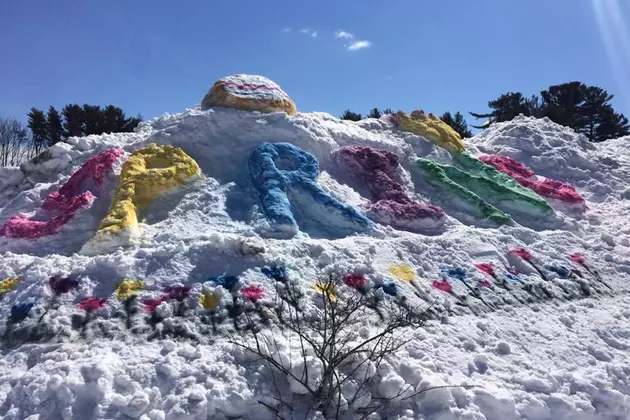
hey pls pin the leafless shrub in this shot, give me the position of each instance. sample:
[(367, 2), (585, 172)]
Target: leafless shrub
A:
[(340, 351)]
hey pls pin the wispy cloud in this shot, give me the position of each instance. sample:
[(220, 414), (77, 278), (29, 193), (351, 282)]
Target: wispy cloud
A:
[(309, 32), (285, 30), (359, 45), (343, 34)]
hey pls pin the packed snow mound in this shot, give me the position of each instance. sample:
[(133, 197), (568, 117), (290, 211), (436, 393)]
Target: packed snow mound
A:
[(531, 313), (248, 92)]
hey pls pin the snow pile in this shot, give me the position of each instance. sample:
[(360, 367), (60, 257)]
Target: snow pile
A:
[(531, 316)]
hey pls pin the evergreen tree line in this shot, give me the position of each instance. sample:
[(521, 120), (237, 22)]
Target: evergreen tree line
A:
[(76, 121), (19, 142), (585, 109)]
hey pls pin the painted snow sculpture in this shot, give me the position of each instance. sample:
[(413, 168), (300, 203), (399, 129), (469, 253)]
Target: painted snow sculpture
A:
[(493, 190), (437, 175), (549, 188), (431, 128), (79, 192), (148, 172), (285, 176), (478, 167), (377, 171), (249, 93)]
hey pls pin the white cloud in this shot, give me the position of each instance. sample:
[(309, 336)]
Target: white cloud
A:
[(359, 45), (343, 34), (309, 32), (285, 30)]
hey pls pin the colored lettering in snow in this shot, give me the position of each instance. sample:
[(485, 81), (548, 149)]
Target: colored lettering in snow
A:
[(79, 192), (377, 171), (431, 128), (250, 93), (284, 190), (437, 175), (527, 198), (546, 187), (149, 172)]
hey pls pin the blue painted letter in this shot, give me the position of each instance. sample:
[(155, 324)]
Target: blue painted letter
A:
[(285, 175)]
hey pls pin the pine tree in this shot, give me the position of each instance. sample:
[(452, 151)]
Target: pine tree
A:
[(130, 124), (114, 120), (39, 129), (612, 125), (93, 120), (586, 109), (562, 104), (508, 106), (74, 120), (54, 126), (457, 123), (374, 113), (352, 116)]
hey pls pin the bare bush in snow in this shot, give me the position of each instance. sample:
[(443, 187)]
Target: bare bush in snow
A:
[(327, 360)]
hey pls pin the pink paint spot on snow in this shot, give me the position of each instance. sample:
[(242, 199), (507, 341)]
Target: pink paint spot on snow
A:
[(487, 268), (485, 283), (356, 281), (547, 187), (252, 293), (377, 171), (442, 285), (79, 192), (577, 258), (521, 253)]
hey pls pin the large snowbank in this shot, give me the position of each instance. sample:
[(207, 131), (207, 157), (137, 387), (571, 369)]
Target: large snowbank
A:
[(563, 357)]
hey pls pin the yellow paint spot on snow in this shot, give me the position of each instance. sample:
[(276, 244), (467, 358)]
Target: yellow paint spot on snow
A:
[(431, 128), (402, 272), (147, 173), (128, 288), (209, 300), (8, 284), (328, 290)]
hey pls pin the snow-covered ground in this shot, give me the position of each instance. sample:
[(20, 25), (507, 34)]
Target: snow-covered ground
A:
[(565, 357)]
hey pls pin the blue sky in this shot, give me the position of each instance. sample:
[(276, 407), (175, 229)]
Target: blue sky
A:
[(151, 57)]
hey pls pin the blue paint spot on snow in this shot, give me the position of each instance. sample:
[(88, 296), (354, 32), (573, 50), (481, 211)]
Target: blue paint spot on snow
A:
[(227, 282), (284, 176), (390, 289), (20, 312), (458, 273), (276, 272), (511, 277), (561, 270)]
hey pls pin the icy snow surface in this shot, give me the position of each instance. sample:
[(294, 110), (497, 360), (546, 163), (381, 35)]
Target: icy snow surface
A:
[(562, 358)]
